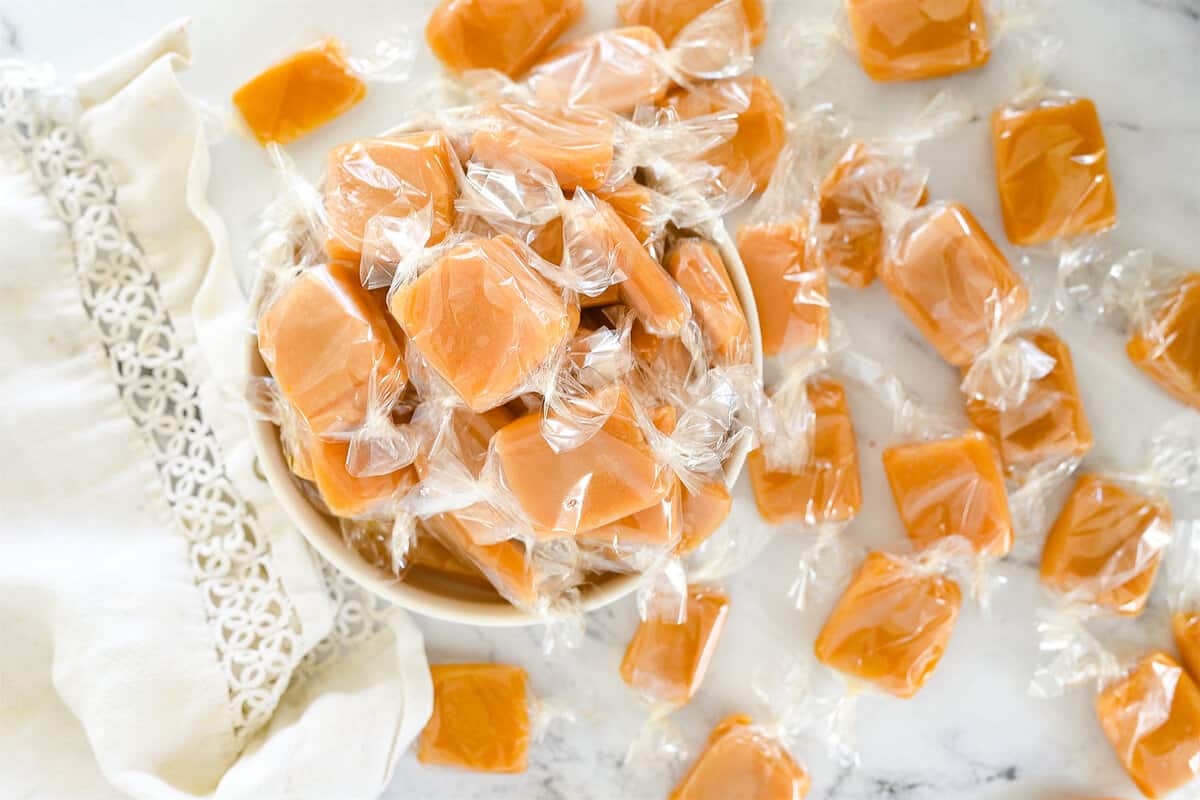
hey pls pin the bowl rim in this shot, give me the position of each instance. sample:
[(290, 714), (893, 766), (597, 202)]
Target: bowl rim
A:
[(326, 539)]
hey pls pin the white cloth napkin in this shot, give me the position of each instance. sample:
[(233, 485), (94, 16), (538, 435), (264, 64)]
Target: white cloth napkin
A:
[(166, 633)]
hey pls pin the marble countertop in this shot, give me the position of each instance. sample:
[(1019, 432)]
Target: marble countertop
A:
[(973, 732)]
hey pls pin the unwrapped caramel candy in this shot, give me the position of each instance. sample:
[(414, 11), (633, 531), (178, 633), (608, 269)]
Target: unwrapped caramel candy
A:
[(669, 17), (742, 761), (666, 662), (1151, 717), (1050, 424), (704, 511), (949, 487), (504, 35), (612, 475), (1106, 545), (576, 144), (697, 266), (393, 177), (325, 339), (827, 488), (1052, 171), (792, 296), (480, 718), (1167, 346), (761, 123), (618, 70), (484, 319), (946, 275), (891, 625), (1186, 627), (902, 40), (300, 93)]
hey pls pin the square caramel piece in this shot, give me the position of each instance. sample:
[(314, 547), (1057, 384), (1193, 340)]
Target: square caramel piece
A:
[(1106, 544), (1151, 717), (697, 266), (946, 275), (1050, 424), (480, 718), (504, 35), (904, 40), (1167, 346), (704, 511), (613, 474), (325, 339), (792, 295), (656, 526), (1186, 627), (742, 761), (484, 319), (300, 93), (667, 662), (761, 124), (393, 176), (576, 144), (949, 487), (669, 17), (1052, 171), (828, 488), (351, 496), (891, 625)]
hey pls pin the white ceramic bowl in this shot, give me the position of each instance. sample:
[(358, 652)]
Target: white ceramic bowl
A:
[(432, 594)]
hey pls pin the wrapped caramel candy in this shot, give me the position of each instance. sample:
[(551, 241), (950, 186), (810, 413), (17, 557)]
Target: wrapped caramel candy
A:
[(900, 40), (504, 35), (1165, 344), (669, 17), (790, 291), (742, 759), (481, 719), (574, 144), (697, 266), (617, 70), (891, 625)]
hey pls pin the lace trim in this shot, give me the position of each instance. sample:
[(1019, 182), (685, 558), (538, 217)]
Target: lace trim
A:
[(255, 627), (358, 616)]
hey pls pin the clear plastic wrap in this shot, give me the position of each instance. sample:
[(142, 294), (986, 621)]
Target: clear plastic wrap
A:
[(742, 759), (627, 67), (699, 270), (1051, 161), (315, 85), (504, 35), (669, 18), (576, 144), (1183, 597)]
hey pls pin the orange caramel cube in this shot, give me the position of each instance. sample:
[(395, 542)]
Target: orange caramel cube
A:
[(576, 144), (666, 662), (480, 718), (946, 274), (851, 242), (618, 70), (761, 122), (637, 206), (891, 625), (669, 17), (792, 297), (1186, 627), (1151, 717), (350, 496), (300, 93), (902, 40), (393, 176), (704, 511), (949, 487), (1167, 346), (742, 761), (325, 339), (504, 35), (658, 524), (827, 488), (1052, 171), (484, 319), (697, 266), (611, 475), (1106, 545), (646, 288), (1050, 424)]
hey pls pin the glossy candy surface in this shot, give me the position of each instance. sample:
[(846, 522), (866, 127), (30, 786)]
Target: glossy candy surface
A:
[(575, 144), (901, 40), (480, 718), (792, 296)]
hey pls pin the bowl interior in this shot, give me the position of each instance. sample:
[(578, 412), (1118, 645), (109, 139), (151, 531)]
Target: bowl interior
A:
[(431, 593)]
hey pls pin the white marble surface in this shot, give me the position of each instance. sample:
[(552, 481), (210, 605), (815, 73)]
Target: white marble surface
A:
[(972, 732)]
